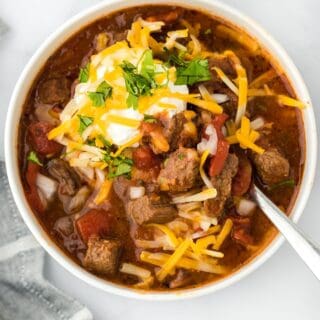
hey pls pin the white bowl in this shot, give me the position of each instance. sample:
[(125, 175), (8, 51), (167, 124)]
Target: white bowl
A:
[(58, 38)]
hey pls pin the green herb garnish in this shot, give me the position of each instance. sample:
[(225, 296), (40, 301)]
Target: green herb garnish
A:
[(149, 118), (120, 166), (84, 73), (147, 65), (208, 31), (84, 123), (103, 92), (139, 84), (197, 70), (106, 143), (34, 158), (285, 183), (181, 156), (190, 72)]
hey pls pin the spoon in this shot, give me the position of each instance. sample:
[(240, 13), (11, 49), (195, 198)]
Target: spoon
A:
[(307, 249)]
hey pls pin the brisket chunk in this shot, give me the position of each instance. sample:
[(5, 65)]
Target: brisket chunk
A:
[(102, 255), (181, 171), (154, 208), (222, 183), (271, 166)]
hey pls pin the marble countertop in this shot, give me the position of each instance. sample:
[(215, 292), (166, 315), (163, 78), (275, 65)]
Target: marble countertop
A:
[(283, 287)]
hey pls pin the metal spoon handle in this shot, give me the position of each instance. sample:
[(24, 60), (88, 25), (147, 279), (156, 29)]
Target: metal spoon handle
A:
[(308, 250)]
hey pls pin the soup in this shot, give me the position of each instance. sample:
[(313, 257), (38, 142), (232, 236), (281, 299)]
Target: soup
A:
[(141, 137)]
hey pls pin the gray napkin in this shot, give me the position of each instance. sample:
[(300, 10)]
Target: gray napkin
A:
[(24, 293)]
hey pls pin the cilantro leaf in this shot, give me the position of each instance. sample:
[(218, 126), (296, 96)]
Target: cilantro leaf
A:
[(197, 70), (149, 118), (119, 166), (139, 84), (122, 169), (103, 92), (189, 72), (34, 158), (84, 73), (84, 123), (177, 60), (147, 65), (106, 143), (132, 101), (285, 183)]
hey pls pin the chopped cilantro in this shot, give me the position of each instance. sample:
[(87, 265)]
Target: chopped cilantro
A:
[(139, 84), (285, 183), (208, 31), (84, 123), (147, 65), (34, 158), (177, 60), (106, 143), (119, 166), (132, 101), (84, 73), (148, 118), (197, 70), (103, 92), (181, 156), (190, 72)]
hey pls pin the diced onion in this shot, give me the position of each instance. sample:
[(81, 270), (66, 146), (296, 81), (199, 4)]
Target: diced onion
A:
[(136, 192), (245, 207), (47, 186), (257, 123), (220, 97), (211, 143)]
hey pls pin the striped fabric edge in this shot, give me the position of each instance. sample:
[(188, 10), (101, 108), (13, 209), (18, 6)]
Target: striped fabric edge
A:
[(11, 249)]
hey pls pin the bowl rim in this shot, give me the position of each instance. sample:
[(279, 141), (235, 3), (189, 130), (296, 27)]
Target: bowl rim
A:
[(57, 38)]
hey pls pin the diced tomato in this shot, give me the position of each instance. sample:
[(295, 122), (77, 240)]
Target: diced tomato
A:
[(144, 158), (218, 160), (38, 134), (218, 121), (94, 222), (242, 180), (32, 194)]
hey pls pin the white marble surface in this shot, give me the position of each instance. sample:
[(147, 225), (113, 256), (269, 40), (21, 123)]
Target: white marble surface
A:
[(282, 287)]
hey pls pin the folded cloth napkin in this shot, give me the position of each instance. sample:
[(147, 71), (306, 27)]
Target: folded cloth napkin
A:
[(24, 293)]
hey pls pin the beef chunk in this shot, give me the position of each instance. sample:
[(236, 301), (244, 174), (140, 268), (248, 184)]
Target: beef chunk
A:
[(121, 186), (152, 208), (69, 181), (38, 137), (272, 167), (56, 90), (222, 183), (242, 180), (176, 133), (181, 171), (102, 256)]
